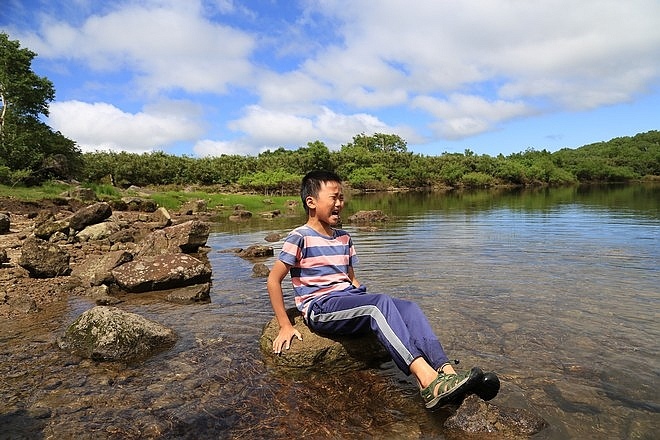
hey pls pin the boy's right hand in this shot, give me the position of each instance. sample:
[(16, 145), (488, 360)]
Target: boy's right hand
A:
[(284, 338)]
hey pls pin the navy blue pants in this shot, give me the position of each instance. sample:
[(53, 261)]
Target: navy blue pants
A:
[(399, 325)]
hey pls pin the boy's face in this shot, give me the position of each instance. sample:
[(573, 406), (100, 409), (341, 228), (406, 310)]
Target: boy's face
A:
[(329, 203)]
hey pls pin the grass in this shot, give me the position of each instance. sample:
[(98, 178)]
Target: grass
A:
[(46, 191), (166, 197)]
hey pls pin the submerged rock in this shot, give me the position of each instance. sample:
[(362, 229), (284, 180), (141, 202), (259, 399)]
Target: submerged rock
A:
[(108, 333), (319, 353), (476, 419)]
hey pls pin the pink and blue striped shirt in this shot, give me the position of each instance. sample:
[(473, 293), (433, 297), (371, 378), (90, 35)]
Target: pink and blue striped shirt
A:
[(319, 263)]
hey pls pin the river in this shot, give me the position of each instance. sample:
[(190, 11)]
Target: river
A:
[(556, 290)]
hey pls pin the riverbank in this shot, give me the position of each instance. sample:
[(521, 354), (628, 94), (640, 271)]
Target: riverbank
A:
[(21, 293)]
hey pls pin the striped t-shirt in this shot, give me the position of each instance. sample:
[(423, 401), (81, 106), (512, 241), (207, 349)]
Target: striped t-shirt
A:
[(319, 263)]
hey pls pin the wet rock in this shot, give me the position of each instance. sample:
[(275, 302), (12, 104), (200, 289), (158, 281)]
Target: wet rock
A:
[(99, 231), (43, 259), (90, 215), (260, 270), (186, 237), (97, 269), (478, 419), (191, 294), (373, 216), (5, 223), (193, 207), (108, 333), (256, 251), (316, 352), (167, 271)]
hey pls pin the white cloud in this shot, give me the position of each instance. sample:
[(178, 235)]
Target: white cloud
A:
[(168, 46), (102, 126), (465, 115), (262, 129)]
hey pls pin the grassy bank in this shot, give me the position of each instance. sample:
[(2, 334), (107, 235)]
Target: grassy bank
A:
[(170, 198)]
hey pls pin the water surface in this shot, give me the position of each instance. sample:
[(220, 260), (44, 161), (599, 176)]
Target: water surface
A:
[(555, 290)]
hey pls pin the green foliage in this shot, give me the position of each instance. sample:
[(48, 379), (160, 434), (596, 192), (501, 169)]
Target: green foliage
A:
[(26, 143)]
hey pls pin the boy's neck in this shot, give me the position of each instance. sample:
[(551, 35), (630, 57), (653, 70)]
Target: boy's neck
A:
[(321, 228)]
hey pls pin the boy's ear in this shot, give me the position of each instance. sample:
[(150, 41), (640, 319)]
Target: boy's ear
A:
[(309, 201)]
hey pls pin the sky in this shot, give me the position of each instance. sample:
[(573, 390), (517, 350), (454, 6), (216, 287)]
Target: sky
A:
[(211, 77)]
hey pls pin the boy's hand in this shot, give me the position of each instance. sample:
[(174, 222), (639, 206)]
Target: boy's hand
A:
[(284, 338)]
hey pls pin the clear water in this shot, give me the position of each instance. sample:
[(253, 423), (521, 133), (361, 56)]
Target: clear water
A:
[(555, 290)]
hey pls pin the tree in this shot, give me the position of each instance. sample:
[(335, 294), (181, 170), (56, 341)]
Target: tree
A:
[(26, 143)]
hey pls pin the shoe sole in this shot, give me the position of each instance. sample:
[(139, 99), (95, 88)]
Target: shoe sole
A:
[(464, 387)]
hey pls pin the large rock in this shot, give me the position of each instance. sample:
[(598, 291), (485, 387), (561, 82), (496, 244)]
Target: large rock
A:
[(90, 215), (108, 333), (186, 237), (5, 223), (193, 207), (316, 352), (161, 272), (482, 420), (43, 259), (97, 269), (84, 194)]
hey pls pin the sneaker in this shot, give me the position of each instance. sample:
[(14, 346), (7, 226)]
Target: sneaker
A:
[(447, 388)]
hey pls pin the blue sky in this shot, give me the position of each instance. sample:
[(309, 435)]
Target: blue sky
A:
[(211, 77)]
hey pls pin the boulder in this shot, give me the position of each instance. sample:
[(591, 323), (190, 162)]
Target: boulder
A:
[(90, 215), (99, 231), (316, 352), (43, 259), (108, 333), (160, 272), (478, 419), (256, 251), (373, 216), (5, 223), (3, 257), (186, 237), (97, 269)]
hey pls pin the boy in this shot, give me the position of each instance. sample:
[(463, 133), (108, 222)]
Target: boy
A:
[(320, 260)]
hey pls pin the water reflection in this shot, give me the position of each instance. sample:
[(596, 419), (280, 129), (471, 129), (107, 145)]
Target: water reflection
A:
[(556, 290)]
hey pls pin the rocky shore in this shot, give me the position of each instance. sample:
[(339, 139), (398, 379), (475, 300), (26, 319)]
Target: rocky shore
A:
[(52, 249)]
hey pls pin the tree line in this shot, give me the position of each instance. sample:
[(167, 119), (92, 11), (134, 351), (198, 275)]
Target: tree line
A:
[(31, 152)]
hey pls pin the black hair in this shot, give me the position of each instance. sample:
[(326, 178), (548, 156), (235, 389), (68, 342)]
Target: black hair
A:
[(311, 184)]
